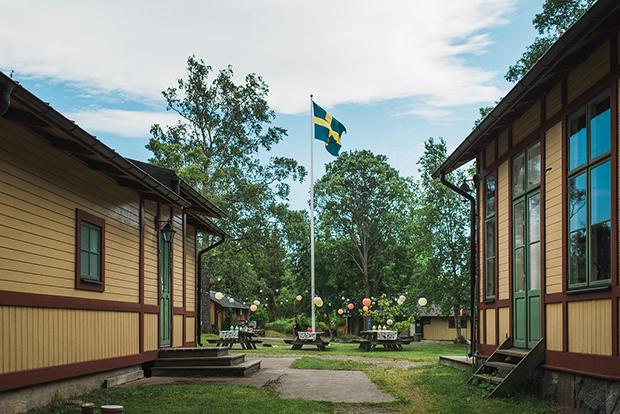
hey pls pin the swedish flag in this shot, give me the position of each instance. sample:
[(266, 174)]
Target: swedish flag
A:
[(327, 129)]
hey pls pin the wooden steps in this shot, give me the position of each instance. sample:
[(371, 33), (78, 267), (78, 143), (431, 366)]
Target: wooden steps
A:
[(203, 362), (507, 367)]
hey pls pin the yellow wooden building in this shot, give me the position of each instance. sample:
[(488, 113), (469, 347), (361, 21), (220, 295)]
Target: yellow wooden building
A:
[(98, 254), (547, 210)]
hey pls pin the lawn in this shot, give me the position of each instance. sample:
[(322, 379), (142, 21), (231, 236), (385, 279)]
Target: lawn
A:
[(424, 389)]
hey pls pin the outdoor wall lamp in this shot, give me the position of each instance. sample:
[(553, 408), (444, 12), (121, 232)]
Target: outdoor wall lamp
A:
[(166, 232), (465, 187)]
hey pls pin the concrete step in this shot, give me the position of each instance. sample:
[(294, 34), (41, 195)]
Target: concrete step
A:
[(241, 370), (205, 352), (224, 360)]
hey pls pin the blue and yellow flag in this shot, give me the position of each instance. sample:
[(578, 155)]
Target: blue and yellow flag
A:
[(327, 129)]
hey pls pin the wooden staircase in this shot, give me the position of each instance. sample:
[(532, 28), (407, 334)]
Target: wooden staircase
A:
[(507, 367), (202, 362)]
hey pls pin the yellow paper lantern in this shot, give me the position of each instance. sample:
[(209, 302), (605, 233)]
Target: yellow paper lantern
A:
[(422, 302), (340, 311), (318, 301), (219, 295), (298, 297), (401, 299), (365, 308)]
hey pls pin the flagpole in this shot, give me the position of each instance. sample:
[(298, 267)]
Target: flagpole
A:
[(312, 210)]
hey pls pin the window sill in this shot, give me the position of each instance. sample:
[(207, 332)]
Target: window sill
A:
[(490, 300), (91, 281), (588, 289)]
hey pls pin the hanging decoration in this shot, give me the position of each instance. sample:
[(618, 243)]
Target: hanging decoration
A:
[(422, 302), (253, 308), (219, 295), (318, 301), (298, 297), (350, 306), (401, 299), (366, 302)]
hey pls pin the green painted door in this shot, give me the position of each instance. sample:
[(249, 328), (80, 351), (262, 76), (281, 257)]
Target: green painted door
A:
[(526, 271), (165, 308)]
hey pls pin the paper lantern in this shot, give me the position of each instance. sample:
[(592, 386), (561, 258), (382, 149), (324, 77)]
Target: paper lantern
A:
[(365, 308), (350, 306), (256, 302), (366, 302), (253, 308), (298, 297), (318, 301), (390, 322), (219, 295), (422, 302), (231, 300), (340, 311), (401, 299)]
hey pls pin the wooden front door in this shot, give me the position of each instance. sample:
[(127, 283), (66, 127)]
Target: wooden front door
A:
[(165, 308), (526, 271)]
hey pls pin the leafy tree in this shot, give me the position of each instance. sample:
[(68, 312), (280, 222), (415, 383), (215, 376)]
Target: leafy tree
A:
[(384, 309), (215, 147), (360, 203), (441, 244), (557, 16)]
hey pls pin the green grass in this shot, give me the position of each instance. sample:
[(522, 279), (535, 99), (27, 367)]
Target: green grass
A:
[(424, 389)]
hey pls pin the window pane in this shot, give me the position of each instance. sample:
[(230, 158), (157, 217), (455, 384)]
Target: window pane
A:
[(577, 211), (489, 242), (600, 251), (94, 266), (600, 124), (94, 240), (490, 277), (533, 166), (577, 257), (534, 266), (519, 224), (85, 236), (84, 263), (518, 174), (490, 195), (519, 271), (600, 196), (534, 218), (577, 141)]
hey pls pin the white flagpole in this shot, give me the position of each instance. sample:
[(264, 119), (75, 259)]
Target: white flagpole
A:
[(312, 210)]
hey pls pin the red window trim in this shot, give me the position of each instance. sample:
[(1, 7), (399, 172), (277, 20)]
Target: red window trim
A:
[(80, 283)]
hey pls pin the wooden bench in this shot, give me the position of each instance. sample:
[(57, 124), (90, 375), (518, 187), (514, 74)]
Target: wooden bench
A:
[(299, 343)]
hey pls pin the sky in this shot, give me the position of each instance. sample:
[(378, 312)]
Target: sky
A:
[(394, 72)]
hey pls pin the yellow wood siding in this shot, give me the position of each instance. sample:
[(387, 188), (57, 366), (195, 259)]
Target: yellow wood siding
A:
[(554, 100), (481, 243), (439, 330), (504, 324), (177, 337), (177, 264), (151, 275), (40, 192), (503, 230), (490, 324), (553, 335), (190, 269), (526, 124), (502, 145), (190, 329), (481, 323), (490, 154), (151, 331), (588, 73), (589, 327), (553, 209), (39, 337)]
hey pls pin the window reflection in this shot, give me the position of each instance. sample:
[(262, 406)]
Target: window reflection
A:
[(533, 166), (518, 174), (577, 257), (577, 141), (519, 224), (600, 196), (600, 128), (577, 211), (534, 218), (534, 266), (519, 270), (600, 251), (490, 195)]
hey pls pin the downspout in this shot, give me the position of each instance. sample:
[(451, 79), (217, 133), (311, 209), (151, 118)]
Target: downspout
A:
[(199, 289), (472, 250)]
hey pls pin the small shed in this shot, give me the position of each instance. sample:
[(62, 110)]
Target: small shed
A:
[(221, 307)]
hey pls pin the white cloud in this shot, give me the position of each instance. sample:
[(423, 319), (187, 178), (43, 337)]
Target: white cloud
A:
[(128, 124), (346, 51)]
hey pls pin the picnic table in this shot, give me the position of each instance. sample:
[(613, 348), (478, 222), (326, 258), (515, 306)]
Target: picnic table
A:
[(244, 338), (389, 339), (308, 338)]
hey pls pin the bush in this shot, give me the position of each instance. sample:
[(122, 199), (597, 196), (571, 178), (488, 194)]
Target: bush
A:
[(284, 326)]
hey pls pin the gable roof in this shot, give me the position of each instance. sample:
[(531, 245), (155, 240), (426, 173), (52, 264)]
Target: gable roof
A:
[(20, 106), (567, 52)]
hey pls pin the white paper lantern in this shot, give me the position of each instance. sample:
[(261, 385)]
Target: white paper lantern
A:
[(318, 301), (422, 302), (231, 300), (401, 299), (390, 322), (219, 295), (256, 302)]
